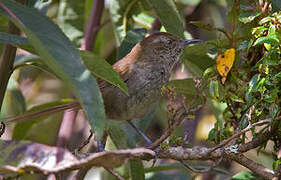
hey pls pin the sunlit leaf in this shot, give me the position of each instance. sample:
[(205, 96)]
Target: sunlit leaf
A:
[(122, 12), (214, 89), (272, 39), (246, 18), (71, 19)]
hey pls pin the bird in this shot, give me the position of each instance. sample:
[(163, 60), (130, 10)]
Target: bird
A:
[(145, 70)]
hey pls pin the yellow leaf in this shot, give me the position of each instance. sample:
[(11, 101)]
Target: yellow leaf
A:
[(225, 62)]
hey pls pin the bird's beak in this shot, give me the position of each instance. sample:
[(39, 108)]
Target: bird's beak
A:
[(192, 41)]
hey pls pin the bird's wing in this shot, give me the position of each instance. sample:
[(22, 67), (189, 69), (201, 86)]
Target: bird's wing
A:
[(122, 67)]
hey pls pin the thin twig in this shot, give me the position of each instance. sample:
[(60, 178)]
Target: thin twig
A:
[(11, 13), (111, 171), (181, 118), (93, 25), (130, 5), (85, 142), (265, 7), (58, 108), (256, 141), (156, 25), (7, 60), (249, 127), (231, 109), (2, 128), (228, 35)]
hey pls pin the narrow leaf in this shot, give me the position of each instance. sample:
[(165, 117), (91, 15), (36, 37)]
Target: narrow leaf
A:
[(169, 16), (60, 55), (100, 68)]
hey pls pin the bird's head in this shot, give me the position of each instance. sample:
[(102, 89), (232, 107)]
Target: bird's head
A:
[(165, 46)]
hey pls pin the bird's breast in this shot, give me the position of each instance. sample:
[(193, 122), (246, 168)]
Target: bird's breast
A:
[(144, 85)]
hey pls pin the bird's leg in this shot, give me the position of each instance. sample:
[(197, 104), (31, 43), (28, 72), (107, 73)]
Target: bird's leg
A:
[(146, 139), (101, 142), (100, 146)]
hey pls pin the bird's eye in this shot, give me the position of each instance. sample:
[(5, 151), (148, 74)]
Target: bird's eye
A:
[(169, 42)]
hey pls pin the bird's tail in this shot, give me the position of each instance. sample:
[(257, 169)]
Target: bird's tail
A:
[(47, 111)]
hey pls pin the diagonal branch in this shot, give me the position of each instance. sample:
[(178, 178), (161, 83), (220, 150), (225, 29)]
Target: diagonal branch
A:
[(253, 166), (250, 126)]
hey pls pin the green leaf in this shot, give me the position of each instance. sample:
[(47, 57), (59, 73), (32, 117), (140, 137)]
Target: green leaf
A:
[(213, 135), (189, 2), (209, 73), (246, 17), (270, 39), (276, 4), (33, 61), (70, 18), (245, 175), (59, 55), (14, 102), (22, 128), (102, 69), (117, 134), (214, 89), (12, 39), (277, 76), (201, 25), (169, 16), (244, 121), (273, 110), (136, 170), (3, 27), (218, 109), (196, 58), (234, 13), (235, 98), (253, 84), (271, 96), (265, 20), (276, 164), (132, 38), (144, 20), (183, 86), (122, 12)]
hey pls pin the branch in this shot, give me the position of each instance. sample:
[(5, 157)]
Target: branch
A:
[(156, 26), (93, 25), (195, 153), (253, 166), (43, 158), (115, 174), (7, 62), (257, 141), (250, 126)]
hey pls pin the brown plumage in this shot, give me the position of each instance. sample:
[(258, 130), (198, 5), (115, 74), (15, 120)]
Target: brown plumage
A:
[(144, 70)]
